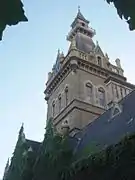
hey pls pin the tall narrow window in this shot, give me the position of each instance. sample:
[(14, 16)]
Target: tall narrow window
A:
[(116, 91), (59, 98), (99, 61), (53, 108), (121, 92), (89, 90), (125, 91), (66, 96), (101, 93)]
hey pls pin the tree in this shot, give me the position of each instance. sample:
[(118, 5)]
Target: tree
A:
[(55, 155), (11, 13), (126, 10), (17, 160)]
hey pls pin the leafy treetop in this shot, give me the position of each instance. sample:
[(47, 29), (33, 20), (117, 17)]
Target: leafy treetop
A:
[(126, 10)]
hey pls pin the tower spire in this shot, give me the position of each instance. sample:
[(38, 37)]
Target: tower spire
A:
[(21, 133), (21, 129), (80, 24)]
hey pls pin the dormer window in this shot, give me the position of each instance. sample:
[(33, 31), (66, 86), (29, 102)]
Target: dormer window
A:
[(99, 61), (116, 111)]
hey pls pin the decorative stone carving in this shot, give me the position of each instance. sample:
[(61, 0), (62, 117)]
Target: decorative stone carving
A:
[(46, 96), (61, 57), (74, 65), (49, 75), (112, 103), (65, 127), (118, 63), (73, 43), (106, 56)]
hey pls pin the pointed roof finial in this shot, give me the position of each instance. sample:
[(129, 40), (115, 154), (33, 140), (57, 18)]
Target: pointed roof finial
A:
[(21, 133), (106, 55), (78, 8), (58, 51), (97, 43), (21, 129)]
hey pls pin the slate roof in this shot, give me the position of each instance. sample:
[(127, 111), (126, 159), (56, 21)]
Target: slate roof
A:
[(80, 16), (107, 130)]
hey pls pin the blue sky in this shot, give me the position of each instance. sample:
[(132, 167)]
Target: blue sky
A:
[(28, 51)]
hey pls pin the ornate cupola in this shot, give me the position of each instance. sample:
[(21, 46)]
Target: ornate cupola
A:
[(82, 33)]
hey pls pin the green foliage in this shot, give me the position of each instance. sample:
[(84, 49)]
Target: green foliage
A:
[(55, 156), (116, 162), (89, 149), (27, 171), (126, 10), (11, 13), (17, 161), (55, 160)]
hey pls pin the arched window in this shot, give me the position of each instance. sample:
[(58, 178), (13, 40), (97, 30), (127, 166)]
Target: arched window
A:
[(66, 96), (53, 108), (89, 89), (59, 98), (101, 93), (99, 61)]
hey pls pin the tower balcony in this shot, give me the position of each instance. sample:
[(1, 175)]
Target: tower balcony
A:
[(82, 29)]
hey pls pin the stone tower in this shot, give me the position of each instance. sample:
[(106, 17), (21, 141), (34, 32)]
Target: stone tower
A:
[(83, 82)]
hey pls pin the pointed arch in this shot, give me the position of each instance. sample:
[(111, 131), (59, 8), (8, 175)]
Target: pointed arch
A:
[(89, 90)]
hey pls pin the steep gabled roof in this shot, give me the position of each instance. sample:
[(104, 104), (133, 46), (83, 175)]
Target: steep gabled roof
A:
[(98, 50), (80, 17), (107, 129)]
